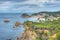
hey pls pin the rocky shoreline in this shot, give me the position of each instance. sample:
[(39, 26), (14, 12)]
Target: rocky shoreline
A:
[(32, 33)]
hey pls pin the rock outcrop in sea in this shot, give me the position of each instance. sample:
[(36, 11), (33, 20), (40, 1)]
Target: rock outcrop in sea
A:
[(17, 24), (6, 21), (25, 15)]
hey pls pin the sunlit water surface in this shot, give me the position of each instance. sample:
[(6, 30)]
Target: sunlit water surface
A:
[(7, 30)]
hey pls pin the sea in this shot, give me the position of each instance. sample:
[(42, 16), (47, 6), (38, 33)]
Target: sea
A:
[(7, 30)]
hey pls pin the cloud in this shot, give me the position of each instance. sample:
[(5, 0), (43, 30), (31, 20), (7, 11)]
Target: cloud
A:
[(28, 5), (13, 0)]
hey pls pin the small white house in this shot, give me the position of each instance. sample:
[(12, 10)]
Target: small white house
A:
[(42, 19), (52, 18)]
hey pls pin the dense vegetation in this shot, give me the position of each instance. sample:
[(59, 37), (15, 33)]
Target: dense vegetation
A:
[(52, 26)]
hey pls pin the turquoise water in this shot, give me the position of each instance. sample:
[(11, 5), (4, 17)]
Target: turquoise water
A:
[(7, 30)]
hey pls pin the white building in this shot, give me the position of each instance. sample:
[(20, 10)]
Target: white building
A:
[(52, 18), (40, 19)]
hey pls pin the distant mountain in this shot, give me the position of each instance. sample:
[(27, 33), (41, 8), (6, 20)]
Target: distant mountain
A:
[(57, 12)]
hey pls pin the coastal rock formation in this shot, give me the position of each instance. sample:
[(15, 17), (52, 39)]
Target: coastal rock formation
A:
[(28, 35), (17, 24), (25, 16), (6, 21), (17, 38)]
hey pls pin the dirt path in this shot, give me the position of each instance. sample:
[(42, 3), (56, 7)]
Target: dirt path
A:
[(53, 36)]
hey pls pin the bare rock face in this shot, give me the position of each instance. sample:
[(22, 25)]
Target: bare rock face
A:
[(28, 35)]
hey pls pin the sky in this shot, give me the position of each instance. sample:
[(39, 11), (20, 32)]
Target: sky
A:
[(28, 6)]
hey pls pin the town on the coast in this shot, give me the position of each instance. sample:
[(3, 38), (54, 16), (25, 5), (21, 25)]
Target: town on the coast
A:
[(45, 27)]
